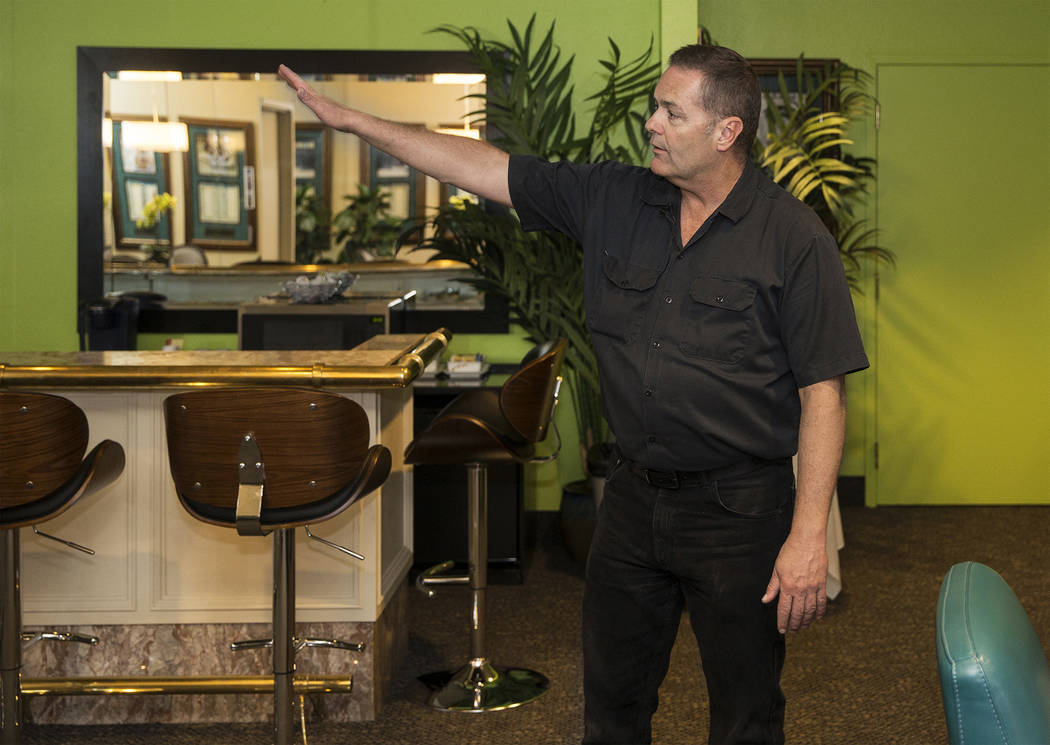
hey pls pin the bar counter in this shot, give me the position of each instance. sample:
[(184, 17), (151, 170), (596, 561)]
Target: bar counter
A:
[(166, 593)]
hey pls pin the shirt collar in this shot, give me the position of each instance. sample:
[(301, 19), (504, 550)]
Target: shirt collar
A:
[(661, 193), (738, 201)]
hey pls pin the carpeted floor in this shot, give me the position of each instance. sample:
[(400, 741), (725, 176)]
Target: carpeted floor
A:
[(866, 675)]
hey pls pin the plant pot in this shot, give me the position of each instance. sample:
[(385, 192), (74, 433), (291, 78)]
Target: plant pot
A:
[(578, 518)]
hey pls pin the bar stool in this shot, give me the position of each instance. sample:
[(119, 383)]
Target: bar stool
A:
[(43, 471), (479, 427), (264, 460)]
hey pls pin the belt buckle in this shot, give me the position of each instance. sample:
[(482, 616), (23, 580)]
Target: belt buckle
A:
[(661, 479)]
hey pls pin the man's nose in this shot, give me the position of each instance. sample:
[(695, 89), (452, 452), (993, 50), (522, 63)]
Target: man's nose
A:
[(650, 124)]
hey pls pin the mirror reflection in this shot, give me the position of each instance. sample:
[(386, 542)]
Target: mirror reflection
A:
[(224, 169)]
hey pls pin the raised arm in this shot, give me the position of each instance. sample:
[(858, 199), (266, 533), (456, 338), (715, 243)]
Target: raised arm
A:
[(475, 166)]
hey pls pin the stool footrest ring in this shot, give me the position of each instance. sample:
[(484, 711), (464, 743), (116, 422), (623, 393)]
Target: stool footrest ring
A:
[(434, 576), (32, 637), (298, 643)]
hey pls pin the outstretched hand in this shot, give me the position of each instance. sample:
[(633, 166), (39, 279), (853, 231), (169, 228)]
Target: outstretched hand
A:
[(328, 111)]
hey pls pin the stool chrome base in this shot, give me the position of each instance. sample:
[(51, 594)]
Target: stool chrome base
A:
[(481, 686)]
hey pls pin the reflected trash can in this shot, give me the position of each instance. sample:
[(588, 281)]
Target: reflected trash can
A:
[(109, 323)]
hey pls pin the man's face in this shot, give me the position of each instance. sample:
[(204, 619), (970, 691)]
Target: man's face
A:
[(682, 133)]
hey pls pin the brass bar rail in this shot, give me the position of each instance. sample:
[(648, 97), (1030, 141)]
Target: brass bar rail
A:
[(397, 375), (145, 685)]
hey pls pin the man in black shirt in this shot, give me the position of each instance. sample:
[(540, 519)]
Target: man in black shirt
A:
[(723, 326)]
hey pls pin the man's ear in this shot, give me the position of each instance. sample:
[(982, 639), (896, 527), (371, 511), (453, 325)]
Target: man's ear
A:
[(731, 127)]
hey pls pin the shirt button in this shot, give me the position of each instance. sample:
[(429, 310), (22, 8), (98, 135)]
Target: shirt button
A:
[(720, 299), (656, 343), (648, 393), (651, 438), (668, 299)]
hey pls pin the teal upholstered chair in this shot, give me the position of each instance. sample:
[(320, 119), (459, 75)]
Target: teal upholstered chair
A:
[(995, 680)]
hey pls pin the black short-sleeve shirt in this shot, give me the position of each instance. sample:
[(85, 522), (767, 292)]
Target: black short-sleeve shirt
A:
[(701, 350)]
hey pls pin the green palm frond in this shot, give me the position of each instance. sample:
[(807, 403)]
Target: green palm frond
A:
[(856, 245), (806, 152)]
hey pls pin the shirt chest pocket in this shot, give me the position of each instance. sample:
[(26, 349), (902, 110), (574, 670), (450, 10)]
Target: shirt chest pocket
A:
[(623, 294), (718, 319)]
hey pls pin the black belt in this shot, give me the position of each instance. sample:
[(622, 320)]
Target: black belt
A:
[(676, 479)]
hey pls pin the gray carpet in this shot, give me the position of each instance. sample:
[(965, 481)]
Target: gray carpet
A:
[(865, 675)]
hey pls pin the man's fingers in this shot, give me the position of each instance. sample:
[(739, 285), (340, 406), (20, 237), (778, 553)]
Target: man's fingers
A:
[(772, 588), (293, 81), (784, 613), (822, 602)]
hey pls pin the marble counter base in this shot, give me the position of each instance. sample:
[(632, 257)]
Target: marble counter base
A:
[(203, 649)]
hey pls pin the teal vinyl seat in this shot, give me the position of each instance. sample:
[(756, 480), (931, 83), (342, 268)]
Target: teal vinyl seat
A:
[(995, 680)]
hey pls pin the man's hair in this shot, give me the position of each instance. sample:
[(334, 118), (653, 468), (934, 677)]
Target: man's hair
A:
[(729, 88)]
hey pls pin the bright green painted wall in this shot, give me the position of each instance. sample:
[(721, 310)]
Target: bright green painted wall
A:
[(964, 397)]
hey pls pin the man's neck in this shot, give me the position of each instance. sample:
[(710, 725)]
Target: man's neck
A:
[(702, 196)]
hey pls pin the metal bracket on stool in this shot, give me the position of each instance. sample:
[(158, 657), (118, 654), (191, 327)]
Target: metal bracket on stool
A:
[(251, 477)]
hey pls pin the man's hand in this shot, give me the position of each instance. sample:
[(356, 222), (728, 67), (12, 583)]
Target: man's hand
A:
[(800, 578), (327, 110)]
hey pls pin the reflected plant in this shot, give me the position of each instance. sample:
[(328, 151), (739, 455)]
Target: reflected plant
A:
[(313, 226), (364, 224), (152, 213)]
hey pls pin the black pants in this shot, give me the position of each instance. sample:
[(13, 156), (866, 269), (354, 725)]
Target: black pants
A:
[(708, 547)]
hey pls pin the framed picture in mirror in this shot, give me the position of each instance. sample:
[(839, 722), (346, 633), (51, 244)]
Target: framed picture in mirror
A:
[(219, 176), (313, 159), (138, 177)]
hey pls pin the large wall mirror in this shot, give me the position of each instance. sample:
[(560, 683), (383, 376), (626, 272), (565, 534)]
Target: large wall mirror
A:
[(225, 97)]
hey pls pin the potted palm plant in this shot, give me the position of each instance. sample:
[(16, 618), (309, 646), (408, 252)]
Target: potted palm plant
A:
[(527, 109)]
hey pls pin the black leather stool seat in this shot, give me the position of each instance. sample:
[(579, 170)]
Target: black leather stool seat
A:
[(476, 428), (496, 425)]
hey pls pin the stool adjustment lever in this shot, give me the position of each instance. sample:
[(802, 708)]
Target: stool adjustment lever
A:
[(336, 546), (63, 541)]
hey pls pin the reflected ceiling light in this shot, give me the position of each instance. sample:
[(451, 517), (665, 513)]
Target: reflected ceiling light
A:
[(153, 76), (457, 78), (161, 137)]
